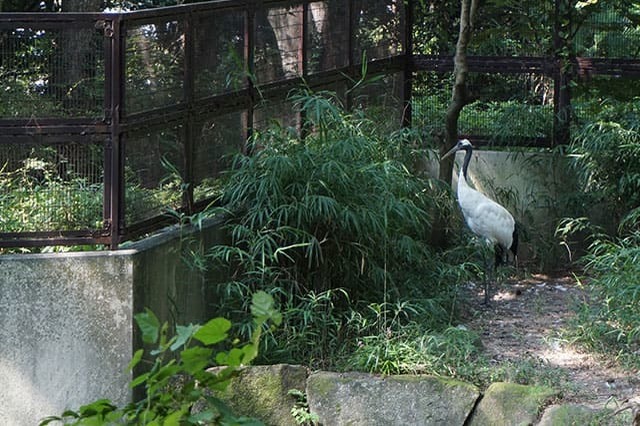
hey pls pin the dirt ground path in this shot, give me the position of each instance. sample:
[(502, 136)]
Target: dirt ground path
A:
[(523, 323)]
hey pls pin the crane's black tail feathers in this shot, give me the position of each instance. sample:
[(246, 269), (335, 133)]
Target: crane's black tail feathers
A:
[(502, 256)]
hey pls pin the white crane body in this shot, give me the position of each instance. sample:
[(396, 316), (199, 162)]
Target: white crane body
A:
[(485, 217)]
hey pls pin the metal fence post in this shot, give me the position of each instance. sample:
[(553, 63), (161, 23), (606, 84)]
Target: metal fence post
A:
[(189, 131), (249, 43), (562, 74), (303, 63), (114, 156), (408, 64), (351, 42)]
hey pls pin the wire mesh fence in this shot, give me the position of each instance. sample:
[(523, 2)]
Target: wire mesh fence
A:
[(503, 109), (328, 36), (219, 65), (51, 70), (51, 186), (608, 33), (217, 140), (527, 61), (121, 118), (109, 121), (155, 64)]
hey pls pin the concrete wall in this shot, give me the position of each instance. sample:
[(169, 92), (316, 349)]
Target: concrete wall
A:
[(535, 188), (66, 320)]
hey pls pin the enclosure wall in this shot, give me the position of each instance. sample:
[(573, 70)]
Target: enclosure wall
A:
[(67, 320)]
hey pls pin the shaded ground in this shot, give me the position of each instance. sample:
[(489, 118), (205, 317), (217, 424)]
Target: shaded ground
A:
[(522, 324)]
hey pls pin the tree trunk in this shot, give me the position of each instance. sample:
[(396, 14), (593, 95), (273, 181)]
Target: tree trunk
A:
[(459, 94), (286, 23), (329, 23), (458, 100)]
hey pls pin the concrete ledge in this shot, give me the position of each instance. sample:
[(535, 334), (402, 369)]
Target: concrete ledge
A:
[(67, 319)]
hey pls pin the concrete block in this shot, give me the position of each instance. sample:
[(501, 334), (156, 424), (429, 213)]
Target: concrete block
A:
[(66, 332)]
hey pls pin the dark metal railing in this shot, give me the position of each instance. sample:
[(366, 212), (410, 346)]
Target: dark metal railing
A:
[(163, 95)]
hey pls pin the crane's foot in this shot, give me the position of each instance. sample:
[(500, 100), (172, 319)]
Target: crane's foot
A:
[(487, 294)]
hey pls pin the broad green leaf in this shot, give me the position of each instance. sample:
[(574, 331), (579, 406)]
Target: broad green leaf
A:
[(237, 356), (97, 407), (262, 307), (196, 359), (50, 419), (167, 370), (205, 416), (95, 420), (149, 326), (174, 418), (135, 360), (139, 380), (213, 331), (183, 335), (70, 413)]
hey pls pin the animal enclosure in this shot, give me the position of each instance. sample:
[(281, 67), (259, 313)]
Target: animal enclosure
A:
[(110, 120)]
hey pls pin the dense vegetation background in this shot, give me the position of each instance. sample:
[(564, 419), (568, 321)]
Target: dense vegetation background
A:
[(333, 228)]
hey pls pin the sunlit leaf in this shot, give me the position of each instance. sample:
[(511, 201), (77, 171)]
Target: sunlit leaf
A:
[(196, 359), (149, 326), (213, 331)]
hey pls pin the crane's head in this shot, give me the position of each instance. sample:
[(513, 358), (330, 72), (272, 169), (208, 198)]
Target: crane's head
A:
[(462, 144)]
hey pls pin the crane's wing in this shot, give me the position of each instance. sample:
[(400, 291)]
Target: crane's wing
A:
[(487, 218)]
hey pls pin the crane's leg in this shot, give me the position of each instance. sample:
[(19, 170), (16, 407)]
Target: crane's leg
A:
[(489, 268), (488, 277)]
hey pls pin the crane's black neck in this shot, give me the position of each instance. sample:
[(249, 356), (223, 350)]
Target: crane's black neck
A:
[(467, 157)]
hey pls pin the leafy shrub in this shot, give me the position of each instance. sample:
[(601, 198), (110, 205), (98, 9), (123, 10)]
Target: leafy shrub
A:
[(606, 153), (335, 226), (35, 197), (504, 123), (613, 268), (607, 157)]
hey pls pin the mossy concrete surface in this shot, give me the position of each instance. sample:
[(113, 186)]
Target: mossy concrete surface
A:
[(262, 392), (511, 404), (580, 415), (66, 332), (337, 399), (365, 399)]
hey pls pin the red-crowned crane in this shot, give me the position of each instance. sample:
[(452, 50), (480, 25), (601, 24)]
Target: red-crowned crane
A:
[(485, 217)]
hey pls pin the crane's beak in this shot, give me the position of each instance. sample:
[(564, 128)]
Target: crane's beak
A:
[(451, 152)]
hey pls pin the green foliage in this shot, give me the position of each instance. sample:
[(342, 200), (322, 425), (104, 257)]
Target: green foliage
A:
[(330, 210), (335, 227), (412, 349), (177, 383), (530, 370), (525, 28), (300, 410), (612, 324), (606, 155), (505, 123)]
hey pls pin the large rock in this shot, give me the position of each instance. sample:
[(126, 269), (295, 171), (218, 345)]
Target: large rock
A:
[(511, 404), (364, 399), (574, 414), (262, 392)]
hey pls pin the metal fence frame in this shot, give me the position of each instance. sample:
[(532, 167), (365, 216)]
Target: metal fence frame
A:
[(116, 122), (113, 127)]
